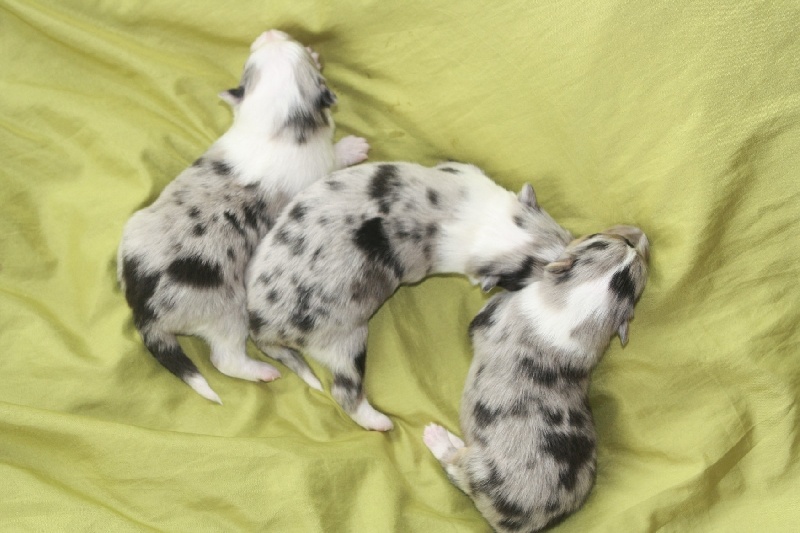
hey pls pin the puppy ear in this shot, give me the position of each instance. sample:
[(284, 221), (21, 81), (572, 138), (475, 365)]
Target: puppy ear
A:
[(562, 265), (527, 196), (233, 97), (326, 98), (489, 282)]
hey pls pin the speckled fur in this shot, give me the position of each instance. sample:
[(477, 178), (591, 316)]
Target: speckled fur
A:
[(182, 260), (345, 244), (529, 459)]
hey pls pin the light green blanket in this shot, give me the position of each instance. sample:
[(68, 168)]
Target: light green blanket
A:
[(679, 117)]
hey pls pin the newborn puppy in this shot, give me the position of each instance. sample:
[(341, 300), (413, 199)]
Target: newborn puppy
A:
[(529, 458), (182, 260), (346, 243)]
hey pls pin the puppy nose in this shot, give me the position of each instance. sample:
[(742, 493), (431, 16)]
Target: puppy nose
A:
[(635, 236), (269, 36)]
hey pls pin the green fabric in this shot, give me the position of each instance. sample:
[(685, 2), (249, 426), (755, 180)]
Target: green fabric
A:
[(680, 117)]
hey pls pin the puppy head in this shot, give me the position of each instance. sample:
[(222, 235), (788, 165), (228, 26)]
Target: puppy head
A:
[(613, 265), (543, 240), (281, 88)]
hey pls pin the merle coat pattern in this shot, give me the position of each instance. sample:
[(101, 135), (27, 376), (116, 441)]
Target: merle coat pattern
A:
[(182, 260), (345, 244), (529, 459)]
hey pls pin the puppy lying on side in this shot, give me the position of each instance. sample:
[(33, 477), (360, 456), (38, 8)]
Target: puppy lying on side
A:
[(345, 244), (182, 260), (529, 458)]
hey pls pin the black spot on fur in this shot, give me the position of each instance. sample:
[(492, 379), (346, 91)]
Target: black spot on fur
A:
[(346, 382), (536, 372), (273, 295), (433, 197), (194, 212), (484, 318), (572, 374), (199, 230), (334, 185), (222, 168), (139, 288), (302, 321), (302, 318), (488, 484), (431, 230), (622, 284), (256, 322), (572, 450), (198, 162), (451, 170), (518, 221), (316, 254), (231, 254), (519, 278), (196, 272), (554, 417), (484, 416), (371, 239), (252, 213), (578, 419), (599, 245), (298, 212), (298, 245), (325, 99), (237, 92), (349, 220), (282, 237), (361, 362), (383, 186), (304, 123), (508, 508), (233, 220)]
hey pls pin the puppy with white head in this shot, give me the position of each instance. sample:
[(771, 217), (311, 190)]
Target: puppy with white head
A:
[(345, 244), (182, 260), (529, 458)]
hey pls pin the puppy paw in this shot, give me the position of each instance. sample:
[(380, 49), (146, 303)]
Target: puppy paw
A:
[(351, 150), (315, 56), (368, 418), (439, 442), (249, 369)]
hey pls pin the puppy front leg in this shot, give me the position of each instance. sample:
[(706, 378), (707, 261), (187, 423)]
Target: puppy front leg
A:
[(350, 150)]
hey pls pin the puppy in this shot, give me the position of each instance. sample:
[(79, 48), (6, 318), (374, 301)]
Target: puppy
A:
[(529, 458), (182, 260), (346, 243)]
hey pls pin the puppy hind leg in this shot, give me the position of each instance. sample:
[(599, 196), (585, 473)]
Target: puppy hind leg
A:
[(294, 361), (347, 361), (229, 356), (165, 348)]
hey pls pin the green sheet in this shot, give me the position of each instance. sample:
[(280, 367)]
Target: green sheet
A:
[(679, 117)]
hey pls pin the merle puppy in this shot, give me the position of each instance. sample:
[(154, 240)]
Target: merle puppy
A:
[(529, 458), (344, 245), (182, 260)]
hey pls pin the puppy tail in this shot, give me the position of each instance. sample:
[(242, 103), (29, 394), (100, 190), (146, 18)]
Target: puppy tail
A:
[(167, 351)]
